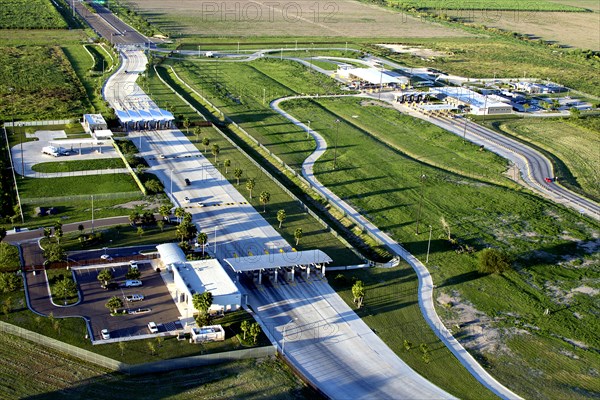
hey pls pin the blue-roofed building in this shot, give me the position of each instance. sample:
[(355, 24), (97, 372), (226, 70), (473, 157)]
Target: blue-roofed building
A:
[(94, 122)]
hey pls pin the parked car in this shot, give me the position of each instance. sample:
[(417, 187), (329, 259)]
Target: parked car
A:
[(134, 297), (133, 283), (199, 204), (111, 286), (133, 264), (161, 156), (152, 327), (187, 182), (186, 199), (105, 334), (106, 257)]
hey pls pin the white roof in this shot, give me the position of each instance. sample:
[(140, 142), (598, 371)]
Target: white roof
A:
[(94, 119), (437, 107), (171, 253), (103, 132), (205, 276), (376, 76), (278, 260), (469, 97)]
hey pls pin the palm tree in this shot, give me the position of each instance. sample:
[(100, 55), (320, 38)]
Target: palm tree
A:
[(215, 151), (238, 174), (205, 143), (298, 235), (179, 213), (202, 239), (133, 217), (265, 197), (250, 183), (281, 217), (165, 211), (186, 125), (197, 132), (227, 164)]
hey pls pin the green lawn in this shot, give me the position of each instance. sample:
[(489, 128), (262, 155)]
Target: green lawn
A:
[(575, 145), (30, 14), (55, 275), (80, 165), (27, 376), (76, 185)]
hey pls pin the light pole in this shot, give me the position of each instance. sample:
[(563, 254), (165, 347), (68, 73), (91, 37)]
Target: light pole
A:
[(284, 328), (428, 244), (423, 177), (337, 129), (308, 130)]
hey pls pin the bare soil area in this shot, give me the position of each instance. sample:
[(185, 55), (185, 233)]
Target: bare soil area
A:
[(299, 18), (580, 30)]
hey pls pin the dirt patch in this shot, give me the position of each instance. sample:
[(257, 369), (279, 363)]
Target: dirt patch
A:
[(146, 205), (473, 328), (415, 51)]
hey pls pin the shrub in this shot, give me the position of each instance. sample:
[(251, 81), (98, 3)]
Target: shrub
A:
[(492, 261), (9, 282)]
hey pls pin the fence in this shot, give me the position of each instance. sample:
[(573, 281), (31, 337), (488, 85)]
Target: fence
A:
[(158, 366), (41, 123), (267, 173), (131, 171), (79, 197)]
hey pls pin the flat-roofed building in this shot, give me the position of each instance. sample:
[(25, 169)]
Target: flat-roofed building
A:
[(94, 122), (478, 104)]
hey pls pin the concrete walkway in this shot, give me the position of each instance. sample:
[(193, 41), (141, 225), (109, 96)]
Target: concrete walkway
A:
[(425, 281)]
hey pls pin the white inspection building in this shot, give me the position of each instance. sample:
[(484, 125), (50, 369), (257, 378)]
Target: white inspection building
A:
[(477, 103), (191, 277)]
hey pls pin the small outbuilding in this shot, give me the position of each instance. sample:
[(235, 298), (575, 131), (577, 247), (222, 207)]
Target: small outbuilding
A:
[(94, 122)]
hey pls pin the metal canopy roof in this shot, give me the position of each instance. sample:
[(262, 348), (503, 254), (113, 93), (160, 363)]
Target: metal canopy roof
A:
[(171, 253), (277, 260)]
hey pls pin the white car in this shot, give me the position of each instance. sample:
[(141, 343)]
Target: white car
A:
[(105, 334), (152, 327), (186, 199), (133, 283), (134, 297), (161, 156), (200, 204), (106, 257), (133, 264)]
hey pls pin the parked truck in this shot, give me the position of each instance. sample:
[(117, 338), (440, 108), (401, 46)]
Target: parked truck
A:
[(51, 151)]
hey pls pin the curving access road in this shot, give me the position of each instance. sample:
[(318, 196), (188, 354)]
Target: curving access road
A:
[(425, 281)]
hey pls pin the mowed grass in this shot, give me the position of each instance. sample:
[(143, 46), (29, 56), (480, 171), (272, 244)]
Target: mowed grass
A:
[(80, 165), (44, 85), (386, 186), (314, 234), (576, 143), (76, 185), (30, 14), (26, 367)]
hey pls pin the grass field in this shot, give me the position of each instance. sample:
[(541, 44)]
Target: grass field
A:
[(30, 14), (550, 245), (76, 185), (41, 37), (314, 235), (32, 371), (43, 82), (303, 18), (576, 143), (81, 165)]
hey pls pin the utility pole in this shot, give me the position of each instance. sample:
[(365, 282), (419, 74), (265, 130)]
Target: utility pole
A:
[(337, 128)]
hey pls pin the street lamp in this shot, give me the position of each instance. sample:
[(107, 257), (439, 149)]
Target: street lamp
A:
[(284, 328), (337, 129)]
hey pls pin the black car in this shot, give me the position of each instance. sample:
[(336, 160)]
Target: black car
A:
[(111, 286), (187, 182)]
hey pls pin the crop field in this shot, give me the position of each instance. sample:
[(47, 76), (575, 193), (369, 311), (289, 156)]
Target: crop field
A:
[(31, 371), (538, 5), (553, 248), (576, 143), (301, 18), (486, 57), (30, 14), (314, 235), (562, 27), (44, 85)]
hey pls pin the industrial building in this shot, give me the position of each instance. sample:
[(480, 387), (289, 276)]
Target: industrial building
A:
[(373, 77), (476, 103), (193, 277)]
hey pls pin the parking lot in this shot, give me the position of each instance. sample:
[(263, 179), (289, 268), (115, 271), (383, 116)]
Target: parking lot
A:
[(157, 305)]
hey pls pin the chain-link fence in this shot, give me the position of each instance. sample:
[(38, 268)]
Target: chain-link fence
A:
[(80, 197), (41, 123)]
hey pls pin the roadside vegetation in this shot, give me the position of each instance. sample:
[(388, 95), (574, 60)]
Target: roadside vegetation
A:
[(573, 145), (77, 379), (30, 14)]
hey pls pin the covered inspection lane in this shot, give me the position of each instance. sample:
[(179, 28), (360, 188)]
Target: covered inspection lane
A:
[(152, 118), (288, 261)]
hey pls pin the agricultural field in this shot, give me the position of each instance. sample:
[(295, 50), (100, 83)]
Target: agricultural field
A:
[(565, 28), (30, 14), (302, 18), (555, 255), (44, 85), (32, 371), (486, 57), (540, 5), (575, 143)]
